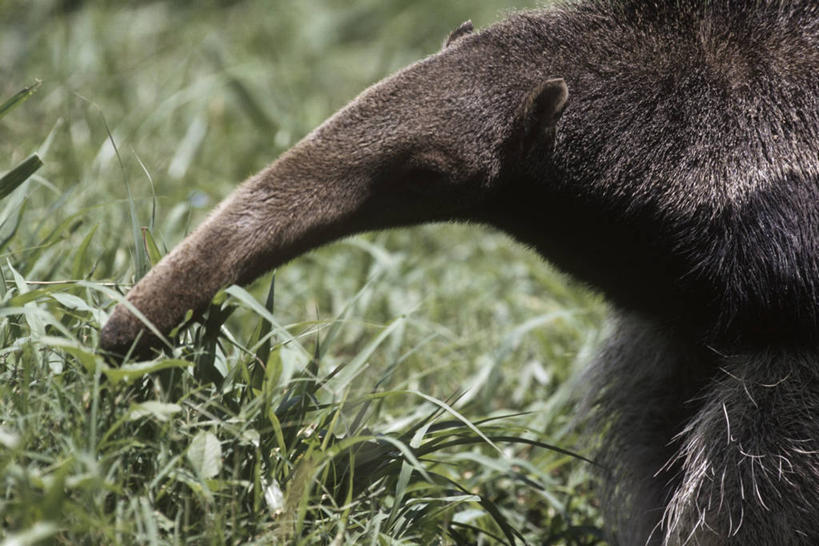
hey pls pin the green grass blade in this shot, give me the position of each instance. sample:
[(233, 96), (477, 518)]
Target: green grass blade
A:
[(265, 328), (150, 246), (132, 372), (140, 259), (244, 297), (11, 223), (19, 98), (78, 266), (19, 174)]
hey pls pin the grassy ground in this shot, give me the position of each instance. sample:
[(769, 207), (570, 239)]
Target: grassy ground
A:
[(394, 388)]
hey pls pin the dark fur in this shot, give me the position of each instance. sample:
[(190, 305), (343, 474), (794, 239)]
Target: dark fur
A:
[(682, 181)]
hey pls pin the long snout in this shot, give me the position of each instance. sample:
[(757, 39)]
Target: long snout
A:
[(283, 211), (338, 180), (425, 145)]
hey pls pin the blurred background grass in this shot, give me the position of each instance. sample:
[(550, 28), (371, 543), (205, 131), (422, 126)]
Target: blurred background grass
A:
[(197, 96)]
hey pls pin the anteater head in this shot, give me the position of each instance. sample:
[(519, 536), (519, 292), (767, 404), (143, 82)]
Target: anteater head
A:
[(437, 141)]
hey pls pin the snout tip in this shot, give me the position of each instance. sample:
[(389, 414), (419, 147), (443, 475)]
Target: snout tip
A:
[(123, 335)]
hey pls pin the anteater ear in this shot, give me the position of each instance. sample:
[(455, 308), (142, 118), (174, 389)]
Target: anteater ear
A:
[(541, 111), (464, 29)]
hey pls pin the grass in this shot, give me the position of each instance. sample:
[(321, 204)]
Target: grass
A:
[(405, 387)]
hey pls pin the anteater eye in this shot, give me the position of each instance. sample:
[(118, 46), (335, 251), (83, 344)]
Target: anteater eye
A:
[(423, 175)]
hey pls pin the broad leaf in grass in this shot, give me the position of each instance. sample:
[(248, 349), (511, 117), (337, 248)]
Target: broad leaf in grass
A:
[(205, 455), (161, 411)]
